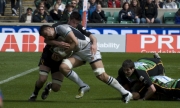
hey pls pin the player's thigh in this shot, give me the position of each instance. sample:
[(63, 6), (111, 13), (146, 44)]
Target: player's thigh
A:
[(73, 62), (57, 76), (57, 79), (97, 64)]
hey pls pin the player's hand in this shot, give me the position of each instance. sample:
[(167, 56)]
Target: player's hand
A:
[(63, 45), (93, 50), (56, 57)]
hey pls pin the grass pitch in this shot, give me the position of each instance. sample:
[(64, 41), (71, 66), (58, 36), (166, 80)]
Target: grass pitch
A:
[(16, 92)]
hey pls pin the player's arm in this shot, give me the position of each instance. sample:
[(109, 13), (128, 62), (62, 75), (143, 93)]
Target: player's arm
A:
[(91, 36), (72, 40), (151, 90), (57, 43), (144, 78), (65, 32)]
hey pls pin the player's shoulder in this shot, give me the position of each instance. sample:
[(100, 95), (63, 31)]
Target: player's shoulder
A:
[(140, 72)]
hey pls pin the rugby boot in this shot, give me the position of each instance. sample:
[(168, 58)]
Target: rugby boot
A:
[(156, 55), (127, 97), (32, 97), (46, 91), (82, 90)]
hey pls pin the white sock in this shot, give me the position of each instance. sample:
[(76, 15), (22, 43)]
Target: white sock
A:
[(75, 78), (115, 84)]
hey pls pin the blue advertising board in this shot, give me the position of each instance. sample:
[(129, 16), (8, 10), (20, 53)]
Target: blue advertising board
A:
[(98, 30)]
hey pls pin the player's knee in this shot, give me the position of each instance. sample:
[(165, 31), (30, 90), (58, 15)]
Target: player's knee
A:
[(99, 71), (42, 79), (103, 77), (55, 87), (66, 65), (43, 75)]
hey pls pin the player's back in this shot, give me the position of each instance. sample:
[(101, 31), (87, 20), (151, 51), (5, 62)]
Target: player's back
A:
[(150, 65), (164, 81)]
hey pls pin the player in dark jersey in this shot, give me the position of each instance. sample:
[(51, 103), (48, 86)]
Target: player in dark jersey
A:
[(80, 45), (166, 88), (132, 73), (50, 61)]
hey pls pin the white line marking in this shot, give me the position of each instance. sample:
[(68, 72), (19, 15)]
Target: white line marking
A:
[(19, 75)]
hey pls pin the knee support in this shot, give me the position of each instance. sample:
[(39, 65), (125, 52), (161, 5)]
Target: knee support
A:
[(45, 73), (99, 71), (68, 63), (59, 82)]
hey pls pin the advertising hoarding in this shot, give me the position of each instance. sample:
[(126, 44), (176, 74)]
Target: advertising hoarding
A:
[(153, 43)]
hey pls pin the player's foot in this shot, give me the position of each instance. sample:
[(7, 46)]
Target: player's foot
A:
[(156, 55), (46, 91), (127, 97), (82, 90), (32, 97)]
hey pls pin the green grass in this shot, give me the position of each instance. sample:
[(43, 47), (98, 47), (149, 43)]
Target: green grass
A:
[(17, 91)]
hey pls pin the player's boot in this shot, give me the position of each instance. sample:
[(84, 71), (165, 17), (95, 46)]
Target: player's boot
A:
[(127, 97), (82, 90), (156, 55), (32, 97), (46, 91)]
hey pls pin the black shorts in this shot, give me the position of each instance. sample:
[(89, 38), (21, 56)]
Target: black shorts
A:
[(48, 61), (158, 69)]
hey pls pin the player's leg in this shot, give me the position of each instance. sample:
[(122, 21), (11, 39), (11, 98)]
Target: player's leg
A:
[(56, 75), (55, 85), (43, 75), (66, 69), (156, 55), (100, 73), (176, 91)]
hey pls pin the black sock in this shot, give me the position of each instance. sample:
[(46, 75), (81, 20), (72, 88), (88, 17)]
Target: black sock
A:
[(37, 89), (49, 86)]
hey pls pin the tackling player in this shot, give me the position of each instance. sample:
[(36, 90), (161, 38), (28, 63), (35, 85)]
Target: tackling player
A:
[(50, 61), (81, 46)]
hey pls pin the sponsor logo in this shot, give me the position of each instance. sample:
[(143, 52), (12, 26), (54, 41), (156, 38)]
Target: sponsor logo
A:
[(153, 43), (21, 42), (108, 45), (97, 30), (141, 78)]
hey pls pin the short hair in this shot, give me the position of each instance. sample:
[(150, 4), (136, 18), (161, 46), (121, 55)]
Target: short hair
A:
[(42, 28), (76, 16), (128, 64)]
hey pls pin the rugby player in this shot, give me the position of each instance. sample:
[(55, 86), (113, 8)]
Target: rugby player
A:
[(81, 46), (50, 62), (166, 88), (133, 73)]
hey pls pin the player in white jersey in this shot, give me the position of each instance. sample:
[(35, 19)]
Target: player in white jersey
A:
[(80, 45)]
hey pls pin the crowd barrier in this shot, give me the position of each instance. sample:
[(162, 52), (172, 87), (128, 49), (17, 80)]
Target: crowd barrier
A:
[(111, 38)]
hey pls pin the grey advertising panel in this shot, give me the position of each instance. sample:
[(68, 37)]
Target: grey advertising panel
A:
[(111, 43)]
